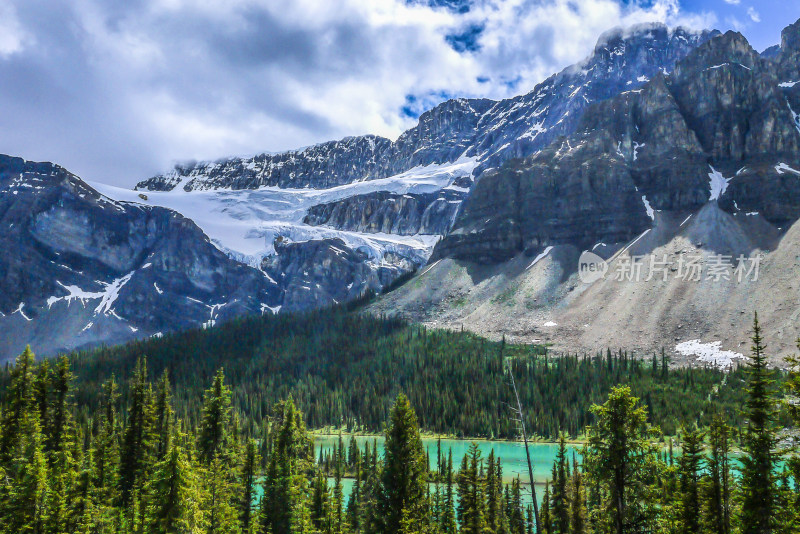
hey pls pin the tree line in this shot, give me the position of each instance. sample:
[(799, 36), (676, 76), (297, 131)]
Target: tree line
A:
[(138, 467), (345, 369)]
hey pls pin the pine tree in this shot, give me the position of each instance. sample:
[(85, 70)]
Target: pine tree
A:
[(403, 488), (448, 516), (471, 493), (17, 420), (212, 437), (137, 440), (284, 506), (689, 466), (758, 463), (174, 496), (252, 461), (559, 496), (716, 488), (620, 460), (577, 502)]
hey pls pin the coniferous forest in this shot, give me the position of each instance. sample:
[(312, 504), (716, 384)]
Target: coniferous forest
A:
[(151, 461), (344, 370), (137, 465)]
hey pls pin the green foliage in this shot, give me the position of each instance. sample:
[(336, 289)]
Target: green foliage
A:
[(471, 493), (689, 466), (458, 381), (200, 475), (620, 459), (402, 495), (759, 461)]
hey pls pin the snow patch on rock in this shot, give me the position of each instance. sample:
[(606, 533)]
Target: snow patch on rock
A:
[(782, 168), (717, 184), (648, 208), (544, 253), (711, 353)]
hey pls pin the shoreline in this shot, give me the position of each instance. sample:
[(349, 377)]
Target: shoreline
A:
[(328, 432)]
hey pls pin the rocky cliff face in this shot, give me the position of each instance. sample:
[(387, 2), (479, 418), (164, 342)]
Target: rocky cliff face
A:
[(718, 128), (390, 213), (460, 138), (84, 269), (489, 131), (323, 272), (701, 165), (655, 122)]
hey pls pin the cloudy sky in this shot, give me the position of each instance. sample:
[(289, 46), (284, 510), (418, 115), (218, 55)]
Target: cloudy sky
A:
[(118, 90)]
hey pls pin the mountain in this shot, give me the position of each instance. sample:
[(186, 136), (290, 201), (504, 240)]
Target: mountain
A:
[(81, 269), (390, 202), (702, 163), (487, 131), (302, 229)]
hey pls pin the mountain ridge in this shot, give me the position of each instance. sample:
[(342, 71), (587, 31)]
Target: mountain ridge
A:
[(703, 162)]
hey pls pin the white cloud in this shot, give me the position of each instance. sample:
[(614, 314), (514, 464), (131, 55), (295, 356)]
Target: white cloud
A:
[(733, 2), (122, 90), (12, 36), (753, 14)]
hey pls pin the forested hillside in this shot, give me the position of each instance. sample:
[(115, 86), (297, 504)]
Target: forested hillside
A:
[(137, 466), (344, 370)]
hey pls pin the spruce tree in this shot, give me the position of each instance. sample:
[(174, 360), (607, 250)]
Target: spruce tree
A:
[(546, 519), (163, 417), (493, 493), (448, 515), (758, 463), (24, 502), (559, 497), (689, 472), (716, 486), (17, 417), (174, 504), (621, 461), (213, 436), (218, 497), (354, 501), (61, 412), (250, 471), (472, 493), (516, 514), (403, 489), (284, 505), (792, 403), (138, 439), (577, 502), (41, 392)]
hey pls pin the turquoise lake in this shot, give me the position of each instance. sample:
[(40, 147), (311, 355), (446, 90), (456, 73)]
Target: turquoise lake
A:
[(511, 454)]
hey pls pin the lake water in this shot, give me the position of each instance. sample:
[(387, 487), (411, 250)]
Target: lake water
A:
[(511, 454)]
